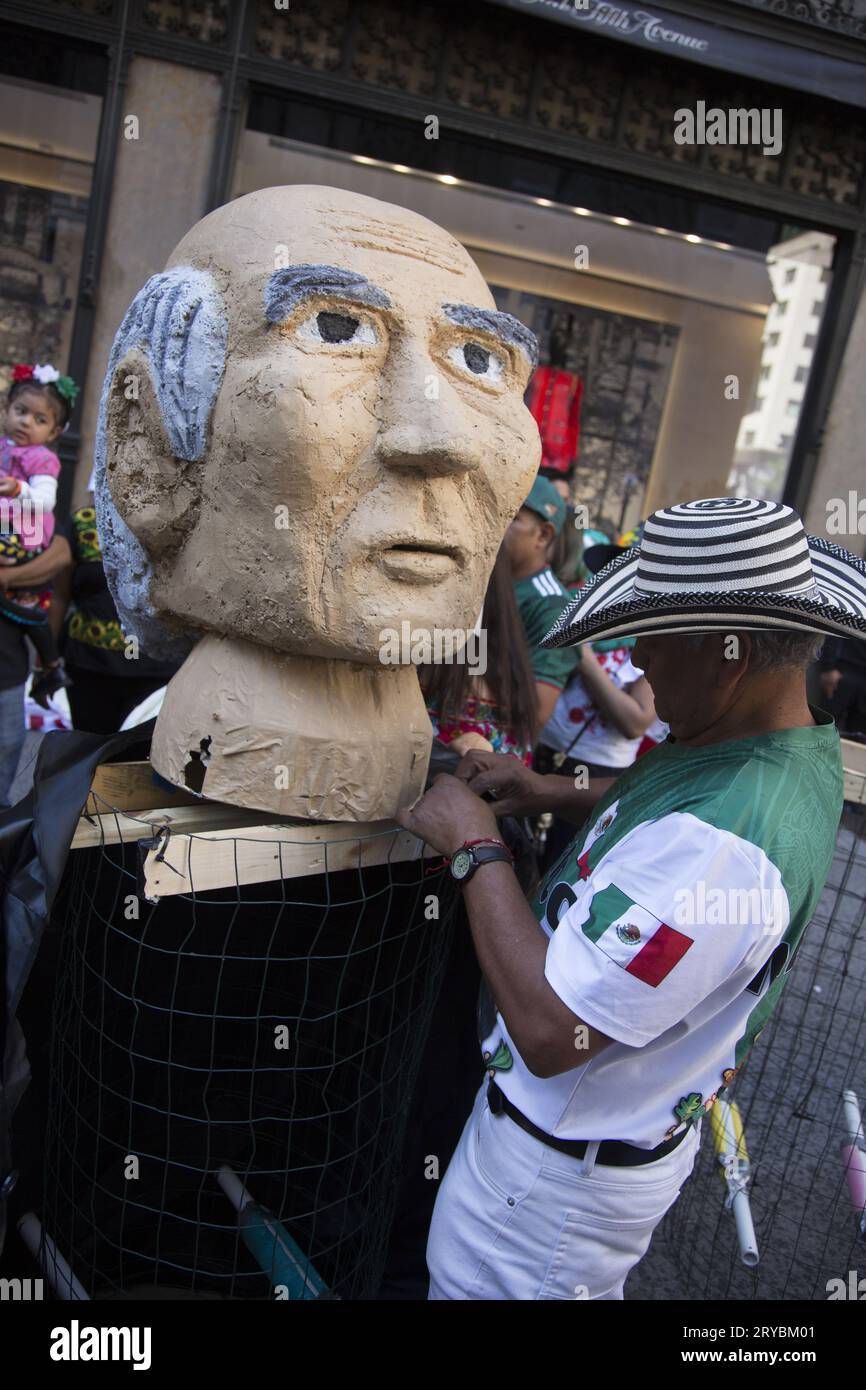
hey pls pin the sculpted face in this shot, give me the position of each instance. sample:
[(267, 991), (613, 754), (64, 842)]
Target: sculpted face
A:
[(368, 444)]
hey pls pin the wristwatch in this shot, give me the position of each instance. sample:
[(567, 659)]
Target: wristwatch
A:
[(472, 855)]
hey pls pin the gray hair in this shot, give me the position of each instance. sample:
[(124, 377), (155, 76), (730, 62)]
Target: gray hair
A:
[(777, 650), (179, 322)]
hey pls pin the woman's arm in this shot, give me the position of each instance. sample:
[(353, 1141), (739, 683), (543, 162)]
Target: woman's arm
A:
[(630, 708), (56, 557)]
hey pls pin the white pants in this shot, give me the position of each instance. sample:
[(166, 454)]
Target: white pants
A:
[(515, 1219)]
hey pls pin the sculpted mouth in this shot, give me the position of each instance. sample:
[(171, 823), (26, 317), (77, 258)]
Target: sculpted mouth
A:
[(414, 547), (418, 561)]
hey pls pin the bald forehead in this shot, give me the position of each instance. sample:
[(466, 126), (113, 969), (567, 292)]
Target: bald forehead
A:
[(419, 241), (389, 245)]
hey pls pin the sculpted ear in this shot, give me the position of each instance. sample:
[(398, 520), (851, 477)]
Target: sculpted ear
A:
[(155, 493)]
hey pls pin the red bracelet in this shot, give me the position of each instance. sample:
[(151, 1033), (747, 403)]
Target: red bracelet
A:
[(487, 840)]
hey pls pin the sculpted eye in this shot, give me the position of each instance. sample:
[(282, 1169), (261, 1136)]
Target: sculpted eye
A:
[(330, 326), (479, 361)]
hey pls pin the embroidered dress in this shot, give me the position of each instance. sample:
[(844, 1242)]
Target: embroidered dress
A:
[(96, 643), (673, 922), (30, 464), (37, 469), (480, 717)]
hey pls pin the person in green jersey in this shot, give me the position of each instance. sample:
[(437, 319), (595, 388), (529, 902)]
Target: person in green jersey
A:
[(628, 993), (540, 596)]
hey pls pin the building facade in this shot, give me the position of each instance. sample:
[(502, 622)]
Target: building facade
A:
[(674, 197)]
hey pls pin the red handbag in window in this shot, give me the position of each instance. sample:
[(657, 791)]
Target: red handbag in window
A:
[(554, 399)]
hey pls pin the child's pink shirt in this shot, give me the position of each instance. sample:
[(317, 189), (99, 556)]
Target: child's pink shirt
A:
[(27, 462)]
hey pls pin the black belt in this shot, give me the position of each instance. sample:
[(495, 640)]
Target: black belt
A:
[(611, 1152)]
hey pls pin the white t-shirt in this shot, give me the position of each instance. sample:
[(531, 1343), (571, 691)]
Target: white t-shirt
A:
[(672, 922), (601, 741)]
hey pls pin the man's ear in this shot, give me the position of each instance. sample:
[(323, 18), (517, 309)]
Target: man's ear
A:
[(155, 493), (733, 651)]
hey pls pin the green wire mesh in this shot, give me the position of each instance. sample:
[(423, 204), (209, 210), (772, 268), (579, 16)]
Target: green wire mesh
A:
[(790, 1098), (164, 1051)]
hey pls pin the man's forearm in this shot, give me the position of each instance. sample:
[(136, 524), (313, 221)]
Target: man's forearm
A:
[(560, 796), (511, 949), (510, 944)]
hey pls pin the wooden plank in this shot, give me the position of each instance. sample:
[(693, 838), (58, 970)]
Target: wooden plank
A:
[(854, 767), (131, 787), (122, 827), (224, 859), (211, 845)]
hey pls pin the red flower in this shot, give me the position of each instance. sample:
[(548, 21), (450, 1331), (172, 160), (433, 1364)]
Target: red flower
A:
[(22, 372)]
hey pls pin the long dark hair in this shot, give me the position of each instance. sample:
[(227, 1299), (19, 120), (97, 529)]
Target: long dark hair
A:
[(509, 673)]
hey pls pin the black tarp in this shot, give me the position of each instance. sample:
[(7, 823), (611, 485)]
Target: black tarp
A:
[(35, 837)]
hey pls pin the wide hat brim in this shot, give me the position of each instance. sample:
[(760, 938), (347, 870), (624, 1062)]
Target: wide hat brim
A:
[(598, 556), (610, 606)]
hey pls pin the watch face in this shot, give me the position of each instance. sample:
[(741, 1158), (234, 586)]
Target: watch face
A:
[(461, 863)]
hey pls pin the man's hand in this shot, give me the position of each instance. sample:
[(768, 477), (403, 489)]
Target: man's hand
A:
[(516, 790), (9, 487), (448, 814)]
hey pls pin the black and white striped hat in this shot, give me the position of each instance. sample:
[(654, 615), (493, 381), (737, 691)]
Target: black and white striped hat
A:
[(720, 563)]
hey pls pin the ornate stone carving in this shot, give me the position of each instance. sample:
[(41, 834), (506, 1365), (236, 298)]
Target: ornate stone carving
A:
[(309, 36), (828, 160), (391, 52), (847, 16), (489, 69), (206, 21), (648, 116), (578, 96)]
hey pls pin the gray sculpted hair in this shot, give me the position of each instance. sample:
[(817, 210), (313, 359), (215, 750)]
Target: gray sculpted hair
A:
[(178, 321)]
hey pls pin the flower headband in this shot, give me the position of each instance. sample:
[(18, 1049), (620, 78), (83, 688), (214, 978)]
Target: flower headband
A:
[(46, 376)]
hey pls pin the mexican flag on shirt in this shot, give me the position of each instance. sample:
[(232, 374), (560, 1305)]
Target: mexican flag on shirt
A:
[(635, 940)]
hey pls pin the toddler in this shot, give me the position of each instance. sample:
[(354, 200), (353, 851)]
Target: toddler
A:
[(38, 409)]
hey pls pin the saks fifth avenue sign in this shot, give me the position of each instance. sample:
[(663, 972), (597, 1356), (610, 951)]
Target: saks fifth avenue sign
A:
[(721, 44), (625, 20)]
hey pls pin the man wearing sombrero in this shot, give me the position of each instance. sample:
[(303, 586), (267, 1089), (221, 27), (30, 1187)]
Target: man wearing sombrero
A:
[(630, 990)]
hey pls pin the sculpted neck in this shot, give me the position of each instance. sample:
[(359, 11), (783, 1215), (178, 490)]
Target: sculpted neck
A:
[(294, 736)]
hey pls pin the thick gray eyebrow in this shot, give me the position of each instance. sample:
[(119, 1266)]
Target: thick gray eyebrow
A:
[(503, 326), (287, 288)]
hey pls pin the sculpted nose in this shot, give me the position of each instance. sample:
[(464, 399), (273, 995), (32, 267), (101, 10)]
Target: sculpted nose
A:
[(424, 423)]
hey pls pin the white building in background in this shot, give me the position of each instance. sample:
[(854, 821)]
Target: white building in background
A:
[(799, 272)]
